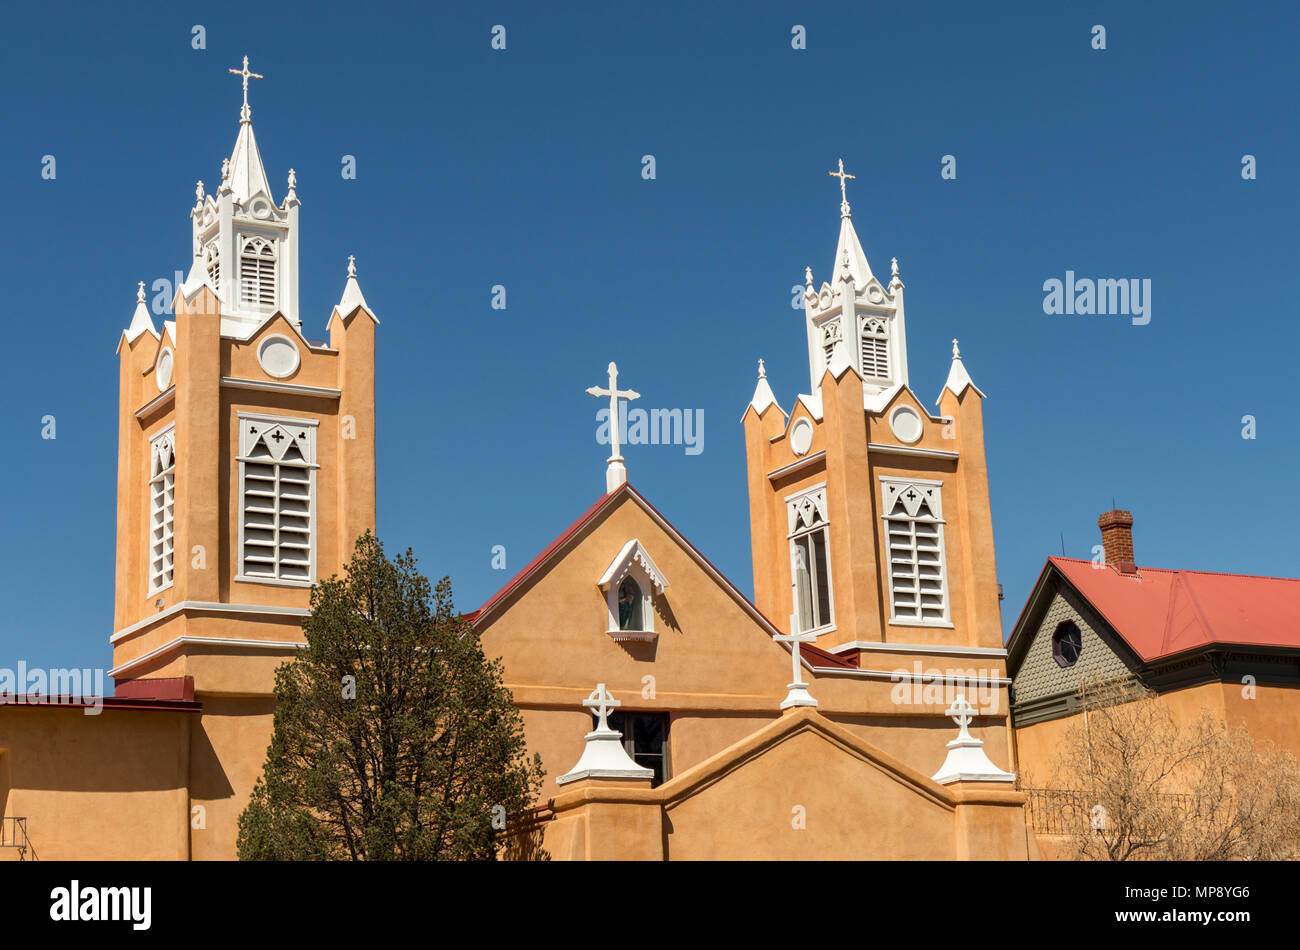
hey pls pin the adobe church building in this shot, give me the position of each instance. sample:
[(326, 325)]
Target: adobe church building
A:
[(675, 718)]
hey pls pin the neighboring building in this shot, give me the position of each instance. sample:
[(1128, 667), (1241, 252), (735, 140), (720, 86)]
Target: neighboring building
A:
[(246, 469), (1203, 641), (873, 559)]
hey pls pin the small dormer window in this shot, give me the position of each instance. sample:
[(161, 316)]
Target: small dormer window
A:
[(257, 273), (630, 584), (875, 349)]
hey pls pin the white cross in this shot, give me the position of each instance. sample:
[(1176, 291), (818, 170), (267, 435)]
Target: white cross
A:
[(962, 713), (841, 175), (603, 703), (794, 639), (247, 76), (614, 394)]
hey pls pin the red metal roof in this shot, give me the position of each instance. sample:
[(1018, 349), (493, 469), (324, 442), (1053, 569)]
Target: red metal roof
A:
[(1163, 612)]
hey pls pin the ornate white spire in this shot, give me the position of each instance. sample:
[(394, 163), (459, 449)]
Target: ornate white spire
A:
[(763, 395), (247, 174), (958, 378), (352, 296), (141, 320)]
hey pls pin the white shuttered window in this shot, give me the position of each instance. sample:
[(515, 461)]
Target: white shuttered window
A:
[(913, 515), (162, 510), (277, 477)]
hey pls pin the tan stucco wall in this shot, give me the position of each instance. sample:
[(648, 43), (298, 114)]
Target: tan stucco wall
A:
[(110, 786)]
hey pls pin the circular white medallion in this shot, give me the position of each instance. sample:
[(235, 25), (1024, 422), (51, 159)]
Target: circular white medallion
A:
[(801, 437), (162, 373), (278, 356), (906, 424)]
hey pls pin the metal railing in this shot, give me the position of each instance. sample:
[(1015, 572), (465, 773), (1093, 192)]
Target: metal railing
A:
[(13, 834), (1053, 811)]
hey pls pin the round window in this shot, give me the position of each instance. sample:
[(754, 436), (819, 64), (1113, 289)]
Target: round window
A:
[(162, 373), (278, 356), (906, 424), (1067, 643), (801, 437)]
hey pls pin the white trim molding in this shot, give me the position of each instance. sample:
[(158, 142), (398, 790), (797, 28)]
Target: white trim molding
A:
[(872, 646), (882, 449), (171, 645), (262, 385), (212, 607)]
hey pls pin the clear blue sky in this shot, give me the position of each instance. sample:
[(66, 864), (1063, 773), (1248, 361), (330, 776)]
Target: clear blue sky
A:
[(522, 168)]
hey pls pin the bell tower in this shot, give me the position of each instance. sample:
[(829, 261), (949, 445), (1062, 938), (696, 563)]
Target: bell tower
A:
[(246, 470), (870, 521)]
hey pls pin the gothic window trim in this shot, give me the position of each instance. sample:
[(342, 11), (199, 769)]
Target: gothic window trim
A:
[(806, 515), (252, 426), (161, 529), (875, 328), (927, 492), (258, 251), (632, 562), (212, 263)]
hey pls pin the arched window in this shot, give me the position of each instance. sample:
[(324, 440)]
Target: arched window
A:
[(629, 605), (212, 262), (257, 273), (830, 336), (810, 568), (162, 506), (875, 349)]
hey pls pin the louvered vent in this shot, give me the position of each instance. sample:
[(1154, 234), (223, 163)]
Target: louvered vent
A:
[(162, 509)]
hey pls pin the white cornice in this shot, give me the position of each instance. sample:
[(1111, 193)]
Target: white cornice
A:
[(158, 402), (232, 382), (872, 646), (884, 449), (171, 645), (798, 466), (901, 676), (213, 608)]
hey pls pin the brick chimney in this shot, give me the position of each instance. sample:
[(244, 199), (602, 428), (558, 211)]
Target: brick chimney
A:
[(1117, 539)]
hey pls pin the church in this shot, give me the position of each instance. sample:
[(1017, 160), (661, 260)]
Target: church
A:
[(675, 717)]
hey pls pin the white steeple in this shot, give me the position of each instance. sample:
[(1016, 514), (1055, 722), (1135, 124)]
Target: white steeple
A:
[(958, 378), (141, 320), (245, 242), (763, 395), (352, 296), (853, 320)]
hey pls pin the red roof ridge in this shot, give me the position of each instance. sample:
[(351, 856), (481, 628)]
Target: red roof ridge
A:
[(1179, 570)]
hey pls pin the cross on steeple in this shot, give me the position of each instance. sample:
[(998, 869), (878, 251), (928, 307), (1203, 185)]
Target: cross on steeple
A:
[(616, 471), (842, 175), (602, 703), (245, 113)]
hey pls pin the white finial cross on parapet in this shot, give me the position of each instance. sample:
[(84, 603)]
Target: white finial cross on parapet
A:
[(966, 760), (615, 471), (352, 265), (797, 691), (602, 703), (603, 757)]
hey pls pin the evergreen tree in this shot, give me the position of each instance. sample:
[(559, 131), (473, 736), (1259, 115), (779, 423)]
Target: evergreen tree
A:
[(394, 738)]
